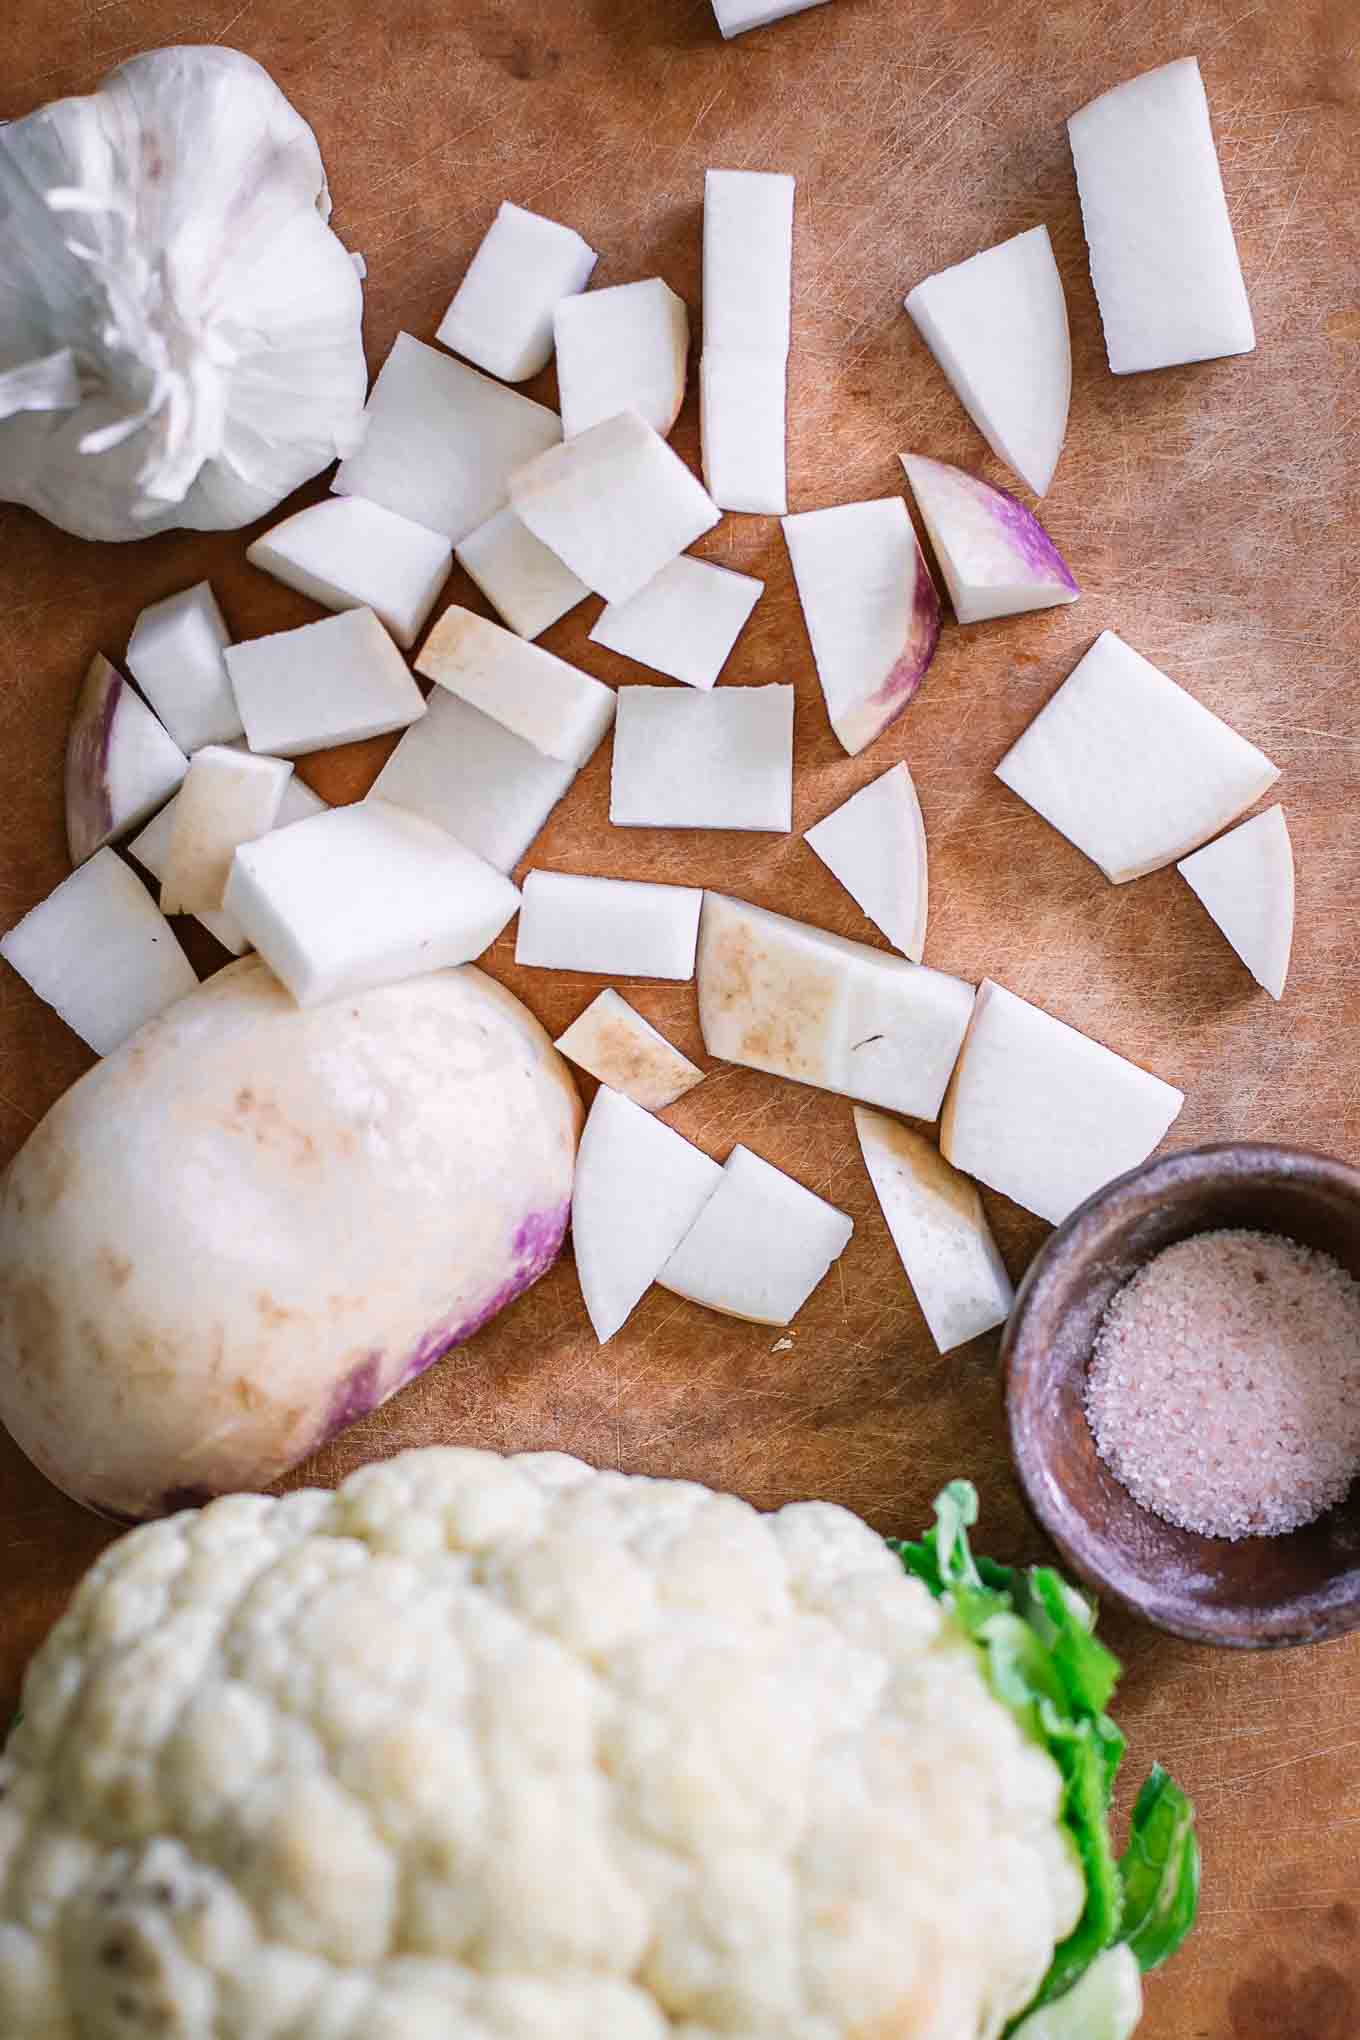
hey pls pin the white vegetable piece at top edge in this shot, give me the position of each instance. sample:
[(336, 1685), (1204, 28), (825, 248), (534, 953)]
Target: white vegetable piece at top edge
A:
[(502, 312), (615, 503), (721, 760), (551, 704), (228, 797), (1163, 259), (748, 291), (475, 778), (152, 846), (618, 927), (1245, 881), (364, 895), (759, 1247), (1130, 767), (1044, 1114), (997, 325), (525, 583), (639, 1188), (736, 16), (871, 609), (325, 683), (685, 622), (622, 349), (441, 441), (348, 553), (613, 1042), (996, 557), (100, 951), (175, 656), (121, 764), (939, 1229), (875, 844), (778, 995)]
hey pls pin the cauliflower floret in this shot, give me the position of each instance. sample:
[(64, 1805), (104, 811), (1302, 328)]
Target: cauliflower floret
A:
[(497, 1749)]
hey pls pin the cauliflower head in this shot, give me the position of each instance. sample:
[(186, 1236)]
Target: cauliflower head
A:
[(498, 1749)]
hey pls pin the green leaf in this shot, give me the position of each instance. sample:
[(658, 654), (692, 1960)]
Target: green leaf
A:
[(1161, 1871)]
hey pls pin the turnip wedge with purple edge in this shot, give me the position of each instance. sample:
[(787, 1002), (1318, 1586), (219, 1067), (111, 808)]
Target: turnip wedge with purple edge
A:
[(996, 557)]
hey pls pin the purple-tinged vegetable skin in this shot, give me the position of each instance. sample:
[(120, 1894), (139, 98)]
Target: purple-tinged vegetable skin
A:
[(121, 764), (996, 557)]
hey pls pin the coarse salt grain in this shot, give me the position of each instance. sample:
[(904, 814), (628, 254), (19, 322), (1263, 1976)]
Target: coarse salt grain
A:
[(1224, 1386)]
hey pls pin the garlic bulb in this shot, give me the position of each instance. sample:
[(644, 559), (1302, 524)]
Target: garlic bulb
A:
[(179, 327)]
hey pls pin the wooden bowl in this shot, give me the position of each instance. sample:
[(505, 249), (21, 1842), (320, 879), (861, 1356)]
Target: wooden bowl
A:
[(1255, 1594)]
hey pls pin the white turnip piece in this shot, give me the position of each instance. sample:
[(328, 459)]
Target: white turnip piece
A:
[(1130, 767), (996, 557), (1044, 1114), (618, 927), (1245, 882), (997, 325), (613, 1042), (325, 683), (692, 760), (175, 655), (748, 285), (735, 17), (555, 707), (743, 404), (875, 844), (871, 610), (228, 798), (777, 995), (1163, 258), (121, 764), (685, 622), (759, 1247), (525, 583), (622, 349), (100, 951), (615, 504), (502, 313), (151, 847), (364, 895), (639, 1188), (939, 1229), (294, 1212), (348, 553), (475, 778), (441, 441)]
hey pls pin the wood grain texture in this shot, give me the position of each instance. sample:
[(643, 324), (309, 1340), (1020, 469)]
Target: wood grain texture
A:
[(1210, 514)]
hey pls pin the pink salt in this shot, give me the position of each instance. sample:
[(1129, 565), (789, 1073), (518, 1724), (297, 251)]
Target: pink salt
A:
[(1224, 1387)]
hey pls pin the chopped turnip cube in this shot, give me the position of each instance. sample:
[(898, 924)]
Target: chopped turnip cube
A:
[(299, 804), (996, 557), (1130, 767), (615, 504), (441, 441), (617, 927), (1044, 1114), (175, 656), (748, 279), (525, 583), (997, 325), (622, 349), (228, 798), (1163, 258), (685, 622), (777, 995), (553, 706), (121, 765), (875, 844), (475, 778), (502, 313), (742, 404), (703, 761), (348, 553), (614, 1043), (760, 1245), (362, 896), (101, 952), (940, 1230), (1246, 882), (326, 683), (871, 610), (151, 848), (639, 1188), (736, 16)]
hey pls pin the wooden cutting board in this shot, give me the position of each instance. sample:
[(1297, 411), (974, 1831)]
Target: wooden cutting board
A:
[(1210, 515)]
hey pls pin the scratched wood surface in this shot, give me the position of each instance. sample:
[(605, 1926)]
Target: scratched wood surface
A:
[(1210, 515)]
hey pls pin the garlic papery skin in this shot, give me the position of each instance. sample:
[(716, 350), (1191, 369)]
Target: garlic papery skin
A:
[(180, 330)]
